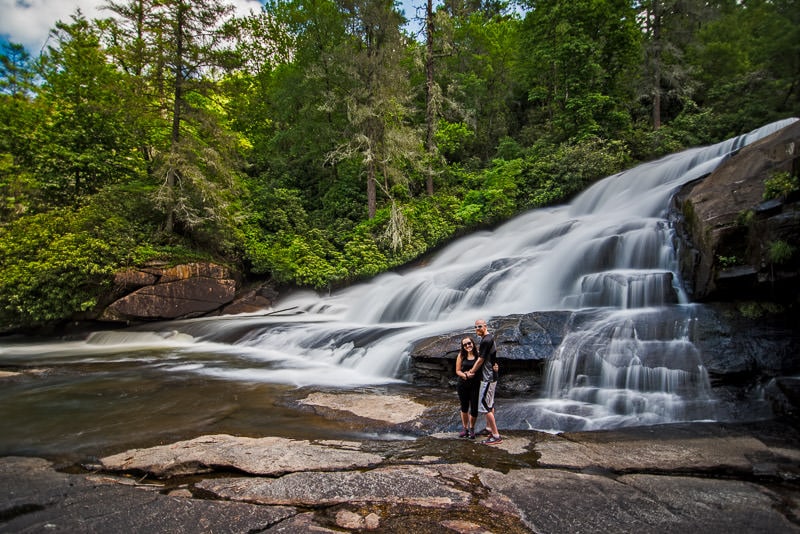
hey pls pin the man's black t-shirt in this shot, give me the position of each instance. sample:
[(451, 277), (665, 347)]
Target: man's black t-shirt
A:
[(488, 351)]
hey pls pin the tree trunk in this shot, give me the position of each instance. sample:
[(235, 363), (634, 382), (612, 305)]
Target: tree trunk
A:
[(178, 88), (372, 197), (656, 64), (429, 111), (176, 113)]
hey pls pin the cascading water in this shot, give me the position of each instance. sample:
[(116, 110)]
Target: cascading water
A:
[(608, 257)]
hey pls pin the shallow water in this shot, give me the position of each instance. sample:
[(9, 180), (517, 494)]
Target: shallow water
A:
[(84, 410)]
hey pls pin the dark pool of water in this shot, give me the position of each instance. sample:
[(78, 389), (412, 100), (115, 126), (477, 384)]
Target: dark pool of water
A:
[(81, 412)]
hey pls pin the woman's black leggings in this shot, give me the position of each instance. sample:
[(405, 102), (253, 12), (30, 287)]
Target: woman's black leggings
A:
[(468, 395)]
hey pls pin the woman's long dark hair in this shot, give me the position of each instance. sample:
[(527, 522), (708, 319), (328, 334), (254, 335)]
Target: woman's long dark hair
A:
[(465, 352)]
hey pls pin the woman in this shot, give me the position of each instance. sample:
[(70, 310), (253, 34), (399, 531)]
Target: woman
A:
[(468, 386)]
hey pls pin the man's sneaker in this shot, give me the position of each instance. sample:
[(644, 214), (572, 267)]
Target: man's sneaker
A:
[(484, 432), (492, 440), (464, 433)]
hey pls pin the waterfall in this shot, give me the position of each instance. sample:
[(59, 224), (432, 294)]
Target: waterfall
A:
[(608, 257)]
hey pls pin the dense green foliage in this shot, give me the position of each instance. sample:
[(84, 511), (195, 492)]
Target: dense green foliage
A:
[(319, 142)]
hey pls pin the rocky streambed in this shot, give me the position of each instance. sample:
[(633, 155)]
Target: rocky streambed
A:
[(717, 477)]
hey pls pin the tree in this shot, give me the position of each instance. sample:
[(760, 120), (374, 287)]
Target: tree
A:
[(130, 36), (19, 114), (130, 39), (669, 29), (747, 61), (577, 57), (466, 8), (16, 70), (377, 111), (192, 39), (476, 44), (176, 46), (83, 143), (430, 88), (295, 113)]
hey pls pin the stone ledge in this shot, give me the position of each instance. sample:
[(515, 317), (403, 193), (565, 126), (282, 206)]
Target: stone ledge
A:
[(714, 477)]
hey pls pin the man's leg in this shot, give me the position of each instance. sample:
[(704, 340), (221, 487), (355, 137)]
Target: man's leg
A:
[(487, 406), (491, 424)]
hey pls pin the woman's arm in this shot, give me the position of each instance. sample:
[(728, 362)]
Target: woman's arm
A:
[(458, 367)]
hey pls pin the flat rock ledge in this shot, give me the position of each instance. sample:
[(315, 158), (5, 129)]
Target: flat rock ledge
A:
[(392, 409), (269, 456), (672, 478)]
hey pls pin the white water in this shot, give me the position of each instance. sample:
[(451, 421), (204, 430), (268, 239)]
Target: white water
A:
[(608, 256)]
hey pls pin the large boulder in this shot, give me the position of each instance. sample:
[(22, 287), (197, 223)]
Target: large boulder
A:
[(183, 291), (729, 231), (525, 342)]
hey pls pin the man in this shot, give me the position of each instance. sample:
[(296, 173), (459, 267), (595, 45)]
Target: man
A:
[(487, 364)]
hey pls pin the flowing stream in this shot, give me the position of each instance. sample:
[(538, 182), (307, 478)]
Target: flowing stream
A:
[(609, 257)]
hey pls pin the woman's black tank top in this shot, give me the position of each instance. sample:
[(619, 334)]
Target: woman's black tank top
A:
[(467, 364)]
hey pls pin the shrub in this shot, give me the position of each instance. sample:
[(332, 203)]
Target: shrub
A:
[(493, 194), (780, 185), (53, 267), (780, 252), (553, 174)]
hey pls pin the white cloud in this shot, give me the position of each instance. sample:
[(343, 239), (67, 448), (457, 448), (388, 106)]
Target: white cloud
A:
[(29, 21)]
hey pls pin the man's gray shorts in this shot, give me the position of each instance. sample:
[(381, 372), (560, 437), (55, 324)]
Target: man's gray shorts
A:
[(486, 397)]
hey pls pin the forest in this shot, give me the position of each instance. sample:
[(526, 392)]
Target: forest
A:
[(319, 142)]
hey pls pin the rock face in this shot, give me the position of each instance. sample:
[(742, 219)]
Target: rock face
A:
[(740, 354), (755, 347), (178, 292), (525, 343), (729, 231)]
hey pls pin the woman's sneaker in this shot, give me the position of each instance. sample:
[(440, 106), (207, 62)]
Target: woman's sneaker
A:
[(471, 434), (464, 433), (492, 440)]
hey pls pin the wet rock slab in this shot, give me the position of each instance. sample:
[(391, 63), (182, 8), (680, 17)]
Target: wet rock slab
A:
[(258, 456), (413, 485), (692, 448), (37, 498), (615, 481), (653, 479), (392, 409), (562, 501)]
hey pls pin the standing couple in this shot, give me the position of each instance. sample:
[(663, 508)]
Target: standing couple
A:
[(476, 368)]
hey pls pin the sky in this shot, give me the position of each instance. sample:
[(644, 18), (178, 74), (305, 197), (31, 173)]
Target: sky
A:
[(28, 21)]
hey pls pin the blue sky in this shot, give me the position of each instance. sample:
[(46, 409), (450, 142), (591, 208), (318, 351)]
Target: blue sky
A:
[(29, 21)]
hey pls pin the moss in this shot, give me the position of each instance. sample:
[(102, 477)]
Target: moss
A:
[(745, 218), (727, 262), (688, 213), (757, 310)]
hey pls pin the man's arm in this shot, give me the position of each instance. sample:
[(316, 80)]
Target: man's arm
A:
[(475, 366)]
